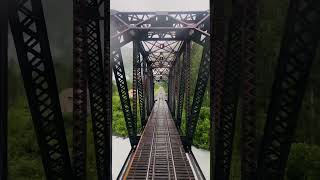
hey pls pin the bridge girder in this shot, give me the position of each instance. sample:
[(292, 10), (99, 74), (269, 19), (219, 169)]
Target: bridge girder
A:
[(186, 17), (32, 45), (177, 26), (80, 78), (248, 102), (297, 53), (169, 34), (232, 58), (108, 84), (163, 38), (98, 91)]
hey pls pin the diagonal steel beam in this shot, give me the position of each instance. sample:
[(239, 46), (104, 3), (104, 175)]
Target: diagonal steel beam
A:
[(119, 73), (121, 81), (31, 40), (97, 89), (297, 53), (202, 81), (200, 89)]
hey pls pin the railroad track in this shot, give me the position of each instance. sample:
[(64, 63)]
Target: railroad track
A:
[(160, 153)]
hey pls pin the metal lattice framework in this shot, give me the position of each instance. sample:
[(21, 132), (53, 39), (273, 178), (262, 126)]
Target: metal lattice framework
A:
[(234, 53), (187, 79), (249, 142), (136, 59), (225, 126), (121, 81), (32, 45), (163, 37), (89, 73), (296, 55), (107, 160), (181, 92), (200, 89), (140, 87), (97, 88), (80, 66), (162, 43), (178, 74), (219, 55)]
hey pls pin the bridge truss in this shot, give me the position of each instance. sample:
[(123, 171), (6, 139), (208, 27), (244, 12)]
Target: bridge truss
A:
[(162, 47), (162, 43)]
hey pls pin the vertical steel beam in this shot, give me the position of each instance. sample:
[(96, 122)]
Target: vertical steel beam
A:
[(229, 99), (173, 91), (31, 40), (177, 86), (136, 59), (181, 97), (248, 137), (148, 96), (297, 53), (184, 86), (147, 90), (140, 86), (145, 87), (97, 88), (226, 129), (80, 75), (173, 98), (144, 84), (3, 89), (151, 90), (108, 103), (219, 54), (187, 79), (170, 85)]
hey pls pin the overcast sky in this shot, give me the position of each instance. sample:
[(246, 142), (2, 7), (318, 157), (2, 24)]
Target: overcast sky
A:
[(159, 5)]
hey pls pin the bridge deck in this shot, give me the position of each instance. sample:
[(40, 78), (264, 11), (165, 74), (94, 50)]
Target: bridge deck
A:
[(160, 153)]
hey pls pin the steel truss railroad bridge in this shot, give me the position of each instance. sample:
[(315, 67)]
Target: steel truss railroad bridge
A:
[(162, 44)]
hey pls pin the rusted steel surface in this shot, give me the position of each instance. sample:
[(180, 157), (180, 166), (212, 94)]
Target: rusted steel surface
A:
[(160, 153)]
